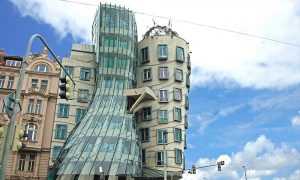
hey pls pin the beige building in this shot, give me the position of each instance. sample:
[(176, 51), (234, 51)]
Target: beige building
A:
[(38, 101), (164, 67), (80, 66)]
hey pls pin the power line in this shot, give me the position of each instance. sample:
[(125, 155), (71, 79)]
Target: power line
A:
[(198, 24)]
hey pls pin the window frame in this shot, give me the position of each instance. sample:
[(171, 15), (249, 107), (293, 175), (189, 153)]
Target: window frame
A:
[(31, 162), (181, 59), (145, 134), (80, 95), (177, 92), (162, 136), (163, 96), (34, 83), (70, 70), (22, 161), (61, 131), (10, 82), (30, 106), (163, 72), (177, 110), (80, 113), (147, 113), (145, 55), (178, 156), (67, 109), (165, 112), (31, 132), (55, 152), (147, 74), (177, 130), (162, 158), (85, 74), (177, 76), (44, 85), (38, 106), (161, 55), (2, 81)]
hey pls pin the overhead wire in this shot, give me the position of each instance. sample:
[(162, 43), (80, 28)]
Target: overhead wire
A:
[(198, 24)]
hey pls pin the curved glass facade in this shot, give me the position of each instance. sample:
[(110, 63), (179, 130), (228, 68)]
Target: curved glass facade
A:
[(107, 137)]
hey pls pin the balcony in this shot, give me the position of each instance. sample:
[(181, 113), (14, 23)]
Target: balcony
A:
[(37, 90)]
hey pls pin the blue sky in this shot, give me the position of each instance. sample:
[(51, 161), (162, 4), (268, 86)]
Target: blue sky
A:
[(245, 95)]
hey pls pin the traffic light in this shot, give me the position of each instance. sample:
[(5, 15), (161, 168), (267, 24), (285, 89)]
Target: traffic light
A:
[(65, 88), (220, 163), (19, 134)]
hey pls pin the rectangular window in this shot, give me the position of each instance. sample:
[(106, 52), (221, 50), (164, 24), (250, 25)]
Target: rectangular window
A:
[(162, 52), (177, 94), (22, 162), (123, 44), (163, 95), (30, 106), (44, 85), (10, 82), (144, 156), (109, 61), (177, 135), (179, 54), (146, 112), (145, 136), (162, 116), (34, 83), (79, 114), (70, 70), (2, 80), (13, 63), (126, 147), (123, 22), (31, 162), (160, 158), (63, 110), (61, 131), (145, 55), (178, 156), (163, 73), (83, 95), (110, 42), (110, 20), (178, 75), (38, 106), (122, 63), (147, 75), (108, 82), (177, 114), (162, 136), (55, 153), (85, 74)]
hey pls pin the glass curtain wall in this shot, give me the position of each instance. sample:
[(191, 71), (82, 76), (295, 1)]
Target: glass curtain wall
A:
[(106, 136)]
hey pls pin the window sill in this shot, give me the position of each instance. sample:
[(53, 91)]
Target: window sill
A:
[(181, 61), (145, 61)]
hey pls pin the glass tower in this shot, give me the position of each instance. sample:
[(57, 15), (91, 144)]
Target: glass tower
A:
[(106, 137)]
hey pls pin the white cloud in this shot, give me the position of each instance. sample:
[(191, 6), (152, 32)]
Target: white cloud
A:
[(294, 176), (296, 121), (261, 158), (218, 57)]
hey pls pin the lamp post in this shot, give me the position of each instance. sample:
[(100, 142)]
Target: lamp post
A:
[(245, 170), (12, 122), (101, 173)]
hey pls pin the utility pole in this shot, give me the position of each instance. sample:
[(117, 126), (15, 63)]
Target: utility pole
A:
[(245, 170), (11, 125)]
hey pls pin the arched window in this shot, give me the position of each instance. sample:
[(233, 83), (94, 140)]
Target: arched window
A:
[(31, 131), (41, 68)]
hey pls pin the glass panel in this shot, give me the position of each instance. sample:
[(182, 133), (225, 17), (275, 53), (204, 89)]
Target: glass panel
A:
[(162, 51), (180, 54)]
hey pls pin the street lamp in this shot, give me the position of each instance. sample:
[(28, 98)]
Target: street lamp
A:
[(101, 173)]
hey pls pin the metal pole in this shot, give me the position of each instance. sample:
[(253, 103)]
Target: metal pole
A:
[(12, 122), (165, 155), (245, 172)]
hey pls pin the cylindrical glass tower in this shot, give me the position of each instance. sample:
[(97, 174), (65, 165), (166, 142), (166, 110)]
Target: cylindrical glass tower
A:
[(107, 137)]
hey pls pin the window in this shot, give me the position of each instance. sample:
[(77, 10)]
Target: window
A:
[(83, 95), (110, 20), (55, 153), (63, 110), (34, 83), (178, 75), (162, 136), (163, 73), (162, 52), (85, 74), (61, 131), (79, 114), (10, 82), (70, 70), (177, 94), (13, 63), (126, 147), (147, 74), (162, 116), (108, 82), (123, 44), (144, 156), (163, 95), (2, 79), (22, 162), (179, 54), (30, 106), (177, 114), (110, 42), (44, 85), (145, 55), (122, 63), (41, 68), (178, 156), (31, 131), (177, 135), (108, 145), (109, 61), (123, 22), (38, 106), (146, 112), (160, 158), (31, 162), (145, 136)]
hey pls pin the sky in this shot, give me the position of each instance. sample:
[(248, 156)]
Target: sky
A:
[(245, 95)]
